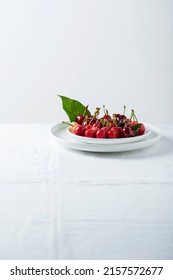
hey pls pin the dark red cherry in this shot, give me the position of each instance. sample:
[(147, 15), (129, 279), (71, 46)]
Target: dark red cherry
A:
[(80, 119), (128, 132)]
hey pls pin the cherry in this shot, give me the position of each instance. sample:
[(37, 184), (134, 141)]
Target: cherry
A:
[(92, 119), (79, 130), (72, 125), (106, 128), (121, 123), (85, 122), (107, 117), (95, 128), (90, 133), (133, 123), (112, 133), (126, 120), (128, 132), (88, 126), (111, 125), (80, 118), (89, 120), (141, 129), (119, 130), (101, 133), (96, 124), (120, 117)]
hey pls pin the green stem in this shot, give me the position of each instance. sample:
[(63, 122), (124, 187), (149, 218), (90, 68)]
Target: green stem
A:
[(95, 114), (68, 123), (133, 116), (85, 111)]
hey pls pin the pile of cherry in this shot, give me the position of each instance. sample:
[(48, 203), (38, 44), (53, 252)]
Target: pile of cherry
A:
[(115, 126)]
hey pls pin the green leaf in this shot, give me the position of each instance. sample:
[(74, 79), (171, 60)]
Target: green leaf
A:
[(136, 127), (73, 108)]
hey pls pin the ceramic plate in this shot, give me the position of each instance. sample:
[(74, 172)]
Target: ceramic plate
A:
[(110, 141), (60, 134)]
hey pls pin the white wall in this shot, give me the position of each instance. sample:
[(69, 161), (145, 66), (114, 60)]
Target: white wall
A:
[(111, 52)]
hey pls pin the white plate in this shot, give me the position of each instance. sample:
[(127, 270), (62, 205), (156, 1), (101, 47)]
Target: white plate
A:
[(110, 141), (59, 131)]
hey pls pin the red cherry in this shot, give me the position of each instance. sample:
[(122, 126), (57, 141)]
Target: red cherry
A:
[(119, 130), (133, 123), (141, 129), (107, 128), (80, 118), (90, 133), (88, 126), (112, 133), (112, 125), (97, 124), (107, 117), (79, 130), (101, 133), (95, 128)]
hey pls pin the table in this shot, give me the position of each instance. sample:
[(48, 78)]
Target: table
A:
[(57, 203)]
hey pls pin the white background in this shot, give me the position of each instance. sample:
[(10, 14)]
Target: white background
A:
[(112, 52)]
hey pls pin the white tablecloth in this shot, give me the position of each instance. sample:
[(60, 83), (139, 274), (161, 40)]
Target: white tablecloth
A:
[(57, 203)]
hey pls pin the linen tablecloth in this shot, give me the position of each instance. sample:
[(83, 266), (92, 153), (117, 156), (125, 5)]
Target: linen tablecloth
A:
[(57, 203)]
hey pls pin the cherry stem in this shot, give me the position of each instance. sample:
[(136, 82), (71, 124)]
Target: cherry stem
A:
[(133, 116), (68, 123), (114, 119), (124, 110), (97, 111), (85, 119), (85, 111), (104, 109)]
